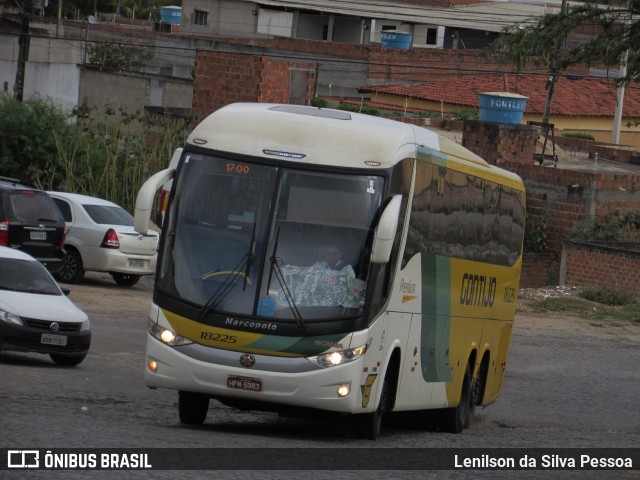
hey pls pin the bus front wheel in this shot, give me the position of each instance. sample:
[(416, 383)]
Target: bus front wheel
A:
[(192, 407), (455, 419), (368, 425)]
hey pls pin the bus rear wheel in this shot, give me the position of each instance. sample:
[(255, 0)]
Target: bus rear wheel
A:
[(192, 407), (455, 419)]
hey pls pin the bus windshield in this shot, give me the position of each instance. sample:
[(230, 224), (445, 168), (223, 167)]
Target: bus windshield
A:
[(247, 239)]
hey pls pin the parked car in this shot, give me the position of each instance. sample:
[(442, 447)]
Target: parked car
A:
[(35, 313), (101, 238), (31, 222)]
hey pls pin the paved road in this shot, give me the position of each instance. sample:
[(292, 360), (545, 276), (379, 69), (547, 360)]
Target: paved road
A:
[(569, 384)]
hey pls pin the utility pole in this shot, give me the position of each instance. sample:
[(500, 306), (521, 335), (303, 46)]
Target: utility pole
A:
[(617, 116), (23, 49), (553, 75), (59, 17)]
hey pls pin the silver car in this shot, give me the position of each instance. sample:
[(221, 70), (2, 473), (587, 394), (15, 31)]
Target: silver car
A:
[(100, 238)]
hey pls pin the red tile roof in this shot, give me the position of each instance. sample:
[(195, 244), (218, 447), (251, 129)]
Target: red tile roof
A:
[(571, 97)]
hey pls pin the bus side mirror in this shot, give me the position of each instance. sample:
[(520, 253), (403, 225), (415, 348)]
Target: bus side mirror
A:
[(386, 231), (144, 200)]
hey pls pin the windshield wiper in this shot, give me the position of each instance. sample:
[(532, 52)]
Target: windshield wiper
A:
[(250, 256), (223, 290), (273, 259), (225, 287)]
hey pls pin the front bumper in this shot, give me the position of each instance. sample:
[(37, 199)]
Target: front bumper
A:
[(30, 338), (289, 381)]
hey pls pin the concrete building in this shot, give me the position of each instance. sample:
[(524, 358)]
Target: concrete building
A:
[(456, 24)]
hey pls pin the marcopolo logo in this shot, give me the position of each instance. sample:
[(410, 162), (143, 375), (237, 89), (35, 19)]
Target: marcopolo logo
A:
[(23, 459)]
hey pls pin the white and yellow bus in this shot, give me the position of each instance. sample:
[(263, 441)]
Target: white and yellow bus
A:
[(248, 309)]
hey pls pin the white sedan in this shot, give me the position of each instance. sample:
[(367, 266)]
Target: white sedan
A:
[(36, 315), (101, 238)]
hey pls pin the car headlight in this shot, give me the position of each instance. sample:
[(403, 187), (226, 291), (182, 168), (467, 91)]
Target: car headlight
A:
[(167, 336), (340, 357), (10, 318), (85, 326)]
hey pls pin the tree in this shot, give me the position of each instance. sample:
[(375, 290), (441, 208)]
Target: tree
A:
[(616, 38), (28, 132)]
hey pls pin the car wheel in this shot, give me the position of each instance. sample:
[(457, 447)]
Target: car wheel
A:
[(125, 279), (67, 360), (72, 270), (192, 407)]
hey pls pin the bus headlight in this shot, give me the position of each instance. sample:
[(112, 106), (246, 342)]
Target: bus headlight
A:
[(167, 336), (340, 357)]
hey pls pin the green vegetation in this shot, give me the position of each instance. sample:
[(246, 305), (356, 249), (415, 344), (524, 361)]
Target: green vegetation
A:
[(28, 133), (143, 9), (535, 232), (364, 108), (581, 136), (594, 303), (613, 227), (607, 296), (117, 55), (428, 115), (108, 158), (319, 102), (616, 28), (466, 114)]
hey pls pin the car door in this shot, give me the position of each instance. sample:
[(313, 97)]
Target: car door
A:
[(78, 236)]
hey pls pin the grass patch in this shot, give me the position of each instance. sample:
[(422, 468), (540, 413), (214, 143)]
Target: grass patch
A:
[(607, 296), (628, 311), (555, 304)]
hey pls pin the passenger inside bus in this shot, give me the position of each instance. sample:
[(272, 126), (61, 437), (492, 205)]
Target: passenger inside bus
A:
[(332, 255), (328, 282)]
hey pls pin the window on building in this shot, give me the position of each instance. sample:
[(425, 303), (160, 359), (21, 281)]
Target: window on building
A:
[(200, 17), (432, 36)]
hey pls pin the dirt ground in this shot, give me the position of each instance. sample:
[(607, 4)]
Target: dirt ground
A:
[(568, 324)]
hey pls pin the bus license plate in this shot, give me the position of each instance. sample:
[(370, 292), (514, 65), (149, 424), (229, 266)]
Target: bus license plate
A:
[(245, 383), (136, 263), (49, 339), (38, 235)]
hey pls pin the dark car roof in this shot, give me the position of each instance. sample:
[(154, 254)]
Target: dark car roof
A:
[(14, 183)]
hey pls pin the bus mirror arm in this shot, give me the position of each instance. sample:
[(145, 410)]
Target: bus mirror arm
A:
[(144, 200), (386, 231)]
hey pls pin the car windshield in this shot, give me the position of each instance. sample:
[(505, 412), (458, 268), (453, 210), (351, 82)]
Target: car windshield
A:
[(26, 276), (269, 241), (108, 215)]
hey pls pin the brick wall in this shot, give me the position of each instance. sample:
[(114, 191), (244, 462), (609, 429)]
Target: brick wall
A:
[(539, 270), (498, 143), (575, 144), (601, 266), (565, 197), (616, 153), (559, 197), (224, 78)]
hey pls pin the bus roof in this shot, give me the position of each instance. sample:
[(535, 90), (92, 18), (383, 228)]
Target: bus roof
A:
[(320, 136)]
